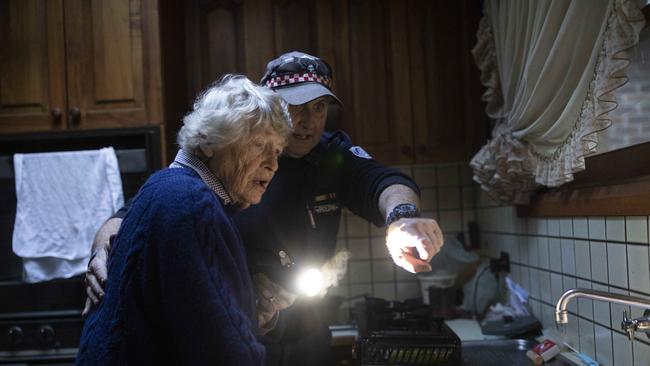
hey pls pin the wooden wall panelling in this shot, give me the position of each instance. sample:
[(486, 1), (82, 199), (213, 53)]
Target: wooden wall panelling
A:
[(294, 23), (376, 116), (104, 45), (214, 42), (476, 121), (258, 37), (440, 136), (32, 65)]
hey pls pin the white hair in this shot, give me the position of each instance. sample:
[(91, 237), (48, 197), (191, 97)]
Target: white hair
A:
[(228, 110)]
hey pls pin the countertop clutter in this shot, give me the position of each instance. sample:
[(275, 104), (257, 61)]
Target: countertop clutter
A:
[(403, 333)]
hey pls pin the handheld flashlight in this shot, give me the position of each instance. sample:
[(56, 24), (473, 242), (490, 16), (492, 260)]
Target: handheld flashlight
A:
[(281, 269)]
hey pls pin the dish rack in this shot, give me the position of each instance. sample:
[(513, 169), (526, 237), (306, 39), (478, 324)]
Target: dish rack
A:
[(404, 333)]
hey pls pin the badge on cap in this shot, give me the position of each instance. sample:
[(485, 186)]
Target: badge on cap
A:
[(358, 151)]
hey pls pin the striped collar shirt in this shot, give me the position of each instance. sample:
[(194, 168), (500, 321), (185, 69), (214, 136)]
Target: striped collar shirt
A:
[(187, 160)]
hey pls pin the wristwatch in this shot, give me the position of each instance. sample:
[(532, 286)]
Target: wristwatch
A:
[(401, 211)]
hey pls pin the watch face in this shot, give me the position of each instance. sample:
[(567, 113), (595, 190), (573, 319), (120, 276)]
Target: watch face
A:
[(402, 211)]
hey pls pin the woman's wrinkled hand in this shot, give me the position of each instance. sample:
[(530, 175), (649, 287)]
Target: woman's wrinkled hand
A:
[(272, 299)]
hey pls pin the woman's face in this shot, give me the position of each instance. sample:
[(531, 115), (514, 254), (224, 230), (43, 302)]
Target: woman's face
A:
[(246, 168)]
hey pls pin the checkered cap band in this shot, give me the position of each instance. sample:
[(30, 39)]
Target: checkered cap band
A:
[(290, 79)]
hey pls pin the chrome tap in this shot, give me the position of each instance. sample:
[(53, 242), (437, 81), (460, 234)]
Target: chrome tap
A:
[(629, 326)]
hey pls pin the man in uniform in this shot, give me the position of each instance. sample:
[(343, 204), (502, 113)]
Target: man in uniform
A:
[(319, 174)]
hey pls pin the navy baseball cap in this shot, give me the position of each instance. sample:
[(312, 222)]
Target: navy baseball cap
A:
[(299, 78)]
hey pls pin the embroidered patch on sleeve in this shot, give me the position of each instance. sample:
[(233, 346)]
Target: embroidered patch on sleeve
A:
[(358, 151)]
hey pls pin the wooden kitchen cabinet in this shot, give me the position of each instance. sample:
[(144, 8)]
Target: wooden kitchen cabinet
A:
[(79, 64), (403, 69)]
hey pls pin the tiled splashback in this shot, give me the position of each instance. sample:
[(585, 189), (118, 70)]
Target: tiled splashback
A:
[(551, 255), (447, 194)]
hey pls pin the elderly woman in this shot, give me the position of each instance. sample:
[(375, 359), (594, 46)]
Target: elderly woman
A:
[(178, 289)]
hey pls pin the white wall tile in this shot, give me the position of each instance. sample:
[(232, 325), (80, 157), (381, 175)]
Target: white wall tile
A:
[(567, 284), (342, 230), (615, 228), (622, 350), (573, 331), (641, 354), (617, 264), (536, 307), (341, 244), (599, 261), (357, 227), (545, 287), (469, 202), (603, 345), (533, 251), (404, 275), (428, 199), (587, 341), (534, 283), (542, 249), (448, 175), (379, 249), (359, 271), (557, 288), (523, 249), (384, 291), (450, 221), (548, 317), (568, 257), (360, 290), (617, 310), (553, 227), (555, 254), (585, 306), (636, 229), (583, 259), (637, 312), (639, 267), (580, 227), (359, 248), (425, 175), (466, 174), (566, 227), (407, 290), (597, 228), (602, 314), (449, 198), (383, 270), (542, 226)]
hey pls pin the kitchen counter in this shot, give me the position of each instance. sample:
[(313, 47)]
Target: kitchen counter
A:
[(476, 348)]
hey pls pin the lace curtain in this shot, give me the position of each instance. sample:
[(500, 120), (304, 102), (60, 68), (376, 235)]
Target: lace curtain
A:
[(550, 68)]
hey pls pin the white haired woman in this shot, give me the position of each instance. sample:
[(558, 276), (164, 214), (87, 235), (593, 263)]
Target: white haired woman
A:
[(178, 289)]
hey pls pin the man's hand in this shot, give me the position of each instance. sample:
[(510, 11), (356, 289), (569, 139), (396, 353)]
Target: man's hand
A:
[(97, 270), (272, 299), (412, 242)]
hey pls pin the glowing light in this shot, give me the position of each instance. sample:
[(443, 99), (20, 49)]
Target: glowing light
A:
[(310, 282)]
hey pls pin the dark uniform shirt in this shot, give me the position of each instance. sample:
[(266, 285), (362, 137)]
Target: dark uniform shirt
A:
[(301, 208), (300, 213)]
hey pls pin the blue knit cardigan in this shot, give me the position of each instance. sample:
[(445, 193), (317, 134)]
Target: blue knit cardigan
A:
[(178, 291)]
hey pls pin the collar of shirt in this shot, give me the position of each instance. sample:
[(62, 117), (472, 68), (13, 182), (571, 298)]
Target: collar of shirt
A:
[(187, 160)]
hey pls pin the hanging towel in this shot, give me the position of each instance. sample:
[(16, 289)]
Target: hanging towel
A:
[(62, 200)]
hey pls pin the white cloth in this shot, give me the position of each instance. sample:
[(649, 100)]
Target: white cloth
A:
[(62, 200), (550, 68)]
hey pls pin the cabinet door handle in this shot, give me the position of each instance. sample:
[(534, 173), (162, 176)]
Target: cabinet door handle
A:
[(56, 115), (75, 115)]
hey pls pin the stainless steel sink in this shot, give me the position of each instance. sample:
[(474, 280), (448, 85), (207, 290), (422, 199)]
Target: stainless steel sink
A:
[(499, 353)]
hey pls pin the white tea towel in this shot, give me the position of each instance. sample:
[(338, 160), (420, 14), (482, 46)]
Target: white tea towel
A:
[(62, 200)]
